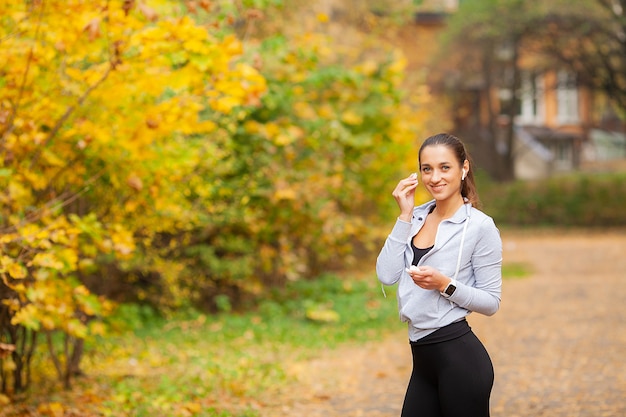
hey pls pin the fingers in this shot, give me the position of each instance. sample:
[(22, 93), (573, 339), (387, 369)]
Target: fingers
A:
[(425, 277), (404, 194), (406, 186), (410, 181)]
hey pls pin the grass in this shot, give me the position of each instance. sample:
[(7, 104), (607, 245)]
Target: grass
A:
[(513, 270), (215, 366), (226, 365)]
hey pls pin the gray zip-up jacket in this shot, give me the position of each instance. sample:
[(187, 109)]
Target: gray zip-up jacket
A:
[(479, 279)]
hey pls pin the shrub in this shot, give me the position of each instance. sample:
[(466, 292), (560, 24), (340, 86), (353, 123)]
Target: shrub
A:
[(579, 200)]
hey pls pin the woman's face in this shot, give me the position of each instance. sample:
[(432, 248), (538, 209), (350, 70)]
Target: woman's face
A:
[(441, 172)]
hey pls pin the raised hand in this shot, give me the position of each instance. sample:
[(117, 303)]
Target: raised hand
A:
[(404, 193)]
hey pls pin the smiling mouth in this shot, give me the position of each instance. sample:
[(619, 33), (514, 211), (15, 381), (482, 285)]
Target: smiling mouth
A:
[(437, 187)]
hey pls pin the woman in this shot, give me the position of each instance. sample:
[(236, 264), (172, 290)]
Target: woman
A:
[(446, 257)]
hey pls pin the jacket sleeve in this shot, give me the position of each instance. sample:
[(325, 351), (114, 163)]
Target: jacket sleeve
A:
[(484, 297), (391, 263)]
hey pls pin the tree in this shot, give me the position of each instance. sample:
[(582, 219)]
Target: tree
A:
[(148, 155), (590, 40), (481, 55), (101, 120), (489, 42)]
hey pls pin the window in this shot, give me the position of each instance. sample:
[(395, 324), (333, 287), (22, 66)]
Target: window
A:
[(531, 98), (567, 98), (563, 152)]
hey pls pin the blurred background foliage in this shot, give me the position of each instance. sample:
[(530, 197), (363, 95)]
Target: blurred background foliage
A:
[(575, 200), (182, 155), (201, 154)]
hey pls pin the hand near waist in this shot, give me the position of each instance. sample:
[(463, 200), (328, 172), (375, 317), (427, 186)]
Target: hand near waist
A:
[(428, 278)]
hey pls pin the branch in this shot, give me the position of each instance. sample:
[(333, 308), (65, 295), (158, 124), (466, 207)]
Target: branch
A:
[(29, 357), (55, 358)]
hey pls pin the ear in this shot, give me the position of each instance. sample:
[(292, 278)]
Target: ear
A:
[(466, 168)]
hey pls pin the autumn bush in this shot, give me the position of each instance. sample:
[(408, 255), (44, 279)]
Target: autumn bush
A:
[(300, 185), (150, 156)]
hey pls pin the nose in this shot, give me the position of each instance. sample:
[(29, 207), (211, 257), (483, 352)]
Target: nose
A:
[(436, 175)]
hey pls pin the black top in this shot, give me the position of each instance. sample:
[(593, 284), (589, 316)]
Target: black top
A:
[(418, 253)]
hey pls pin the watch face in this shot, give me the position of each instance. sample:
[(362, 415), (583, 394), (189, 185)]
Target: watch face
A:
[(450, 289)]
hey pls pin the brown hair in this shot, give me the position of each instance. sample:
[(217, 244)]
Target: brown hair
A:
[(468, 186)]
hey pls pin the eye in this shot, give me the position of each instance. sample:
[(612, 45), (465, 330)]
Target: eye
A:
[(425, 169), (445, 167)]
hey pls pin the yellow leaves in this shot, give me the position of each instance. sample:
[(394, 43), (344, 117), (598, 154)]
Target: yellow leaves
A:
[(14, 269), (27, 317), (225, 105), (397, 69), (53, 305), (53, 409), (242, 86), (18, 192), (61, 259), (8, 365), (252, 127), (49, 157), (97, 328), (285, 194), (351, 118), (322, 315), (322, 18), (325, 111), (271, 129), (47, 260), (75, 328), (123, 242), (36, 180), (206, 126), (193, 408), (368, 68), (196, 46), (232, 45), (184, 28), (304, 110)]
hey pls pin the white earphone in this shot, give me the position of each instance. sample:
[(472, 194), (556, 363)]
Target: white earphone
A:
[(463, 177)]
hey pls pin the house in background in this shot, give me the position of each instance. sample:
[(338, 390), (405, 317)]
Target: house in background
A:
[(551, 125), (557, 127), (556, 131)]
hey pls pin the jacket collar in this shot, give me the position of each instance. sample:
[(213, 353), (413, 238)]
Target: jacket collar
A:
[(461, 214)]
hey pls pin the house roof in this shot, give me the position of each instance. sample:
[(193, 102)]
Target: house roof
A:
[(430, 18), (546, 134)]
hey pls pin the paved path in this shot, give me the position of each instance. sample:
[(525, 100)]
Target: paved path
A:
[(558, 342)]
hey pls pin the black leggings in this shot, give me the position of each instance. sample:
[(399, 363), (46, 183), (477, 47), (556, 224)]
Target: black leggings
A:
[(449, 379)]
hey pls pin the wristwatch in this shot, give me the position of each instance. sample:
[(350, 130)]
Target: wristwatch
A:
[(449, 290)]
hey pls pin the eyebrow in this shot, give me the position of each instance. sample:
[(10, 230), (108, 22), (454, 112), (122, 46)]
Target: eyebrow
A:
[(441, 163)]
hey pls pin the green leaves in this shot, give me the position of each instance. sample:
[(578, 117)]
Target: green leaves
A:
[(150, 158)]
